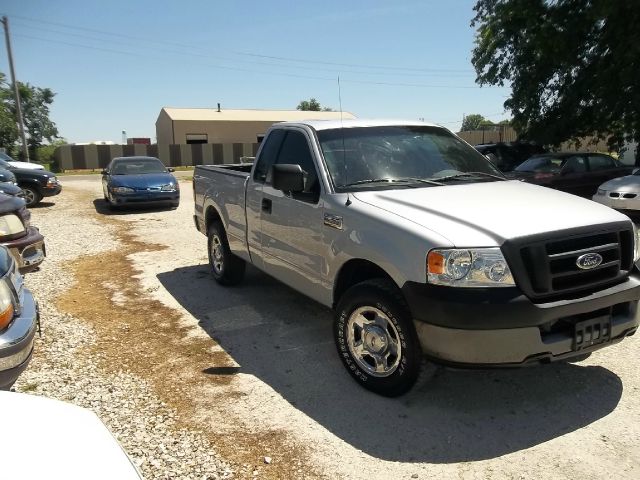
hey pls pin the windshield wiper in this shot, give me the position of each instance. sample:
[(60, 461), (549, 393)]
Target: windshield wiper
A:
[(468, 174), (407, 180)]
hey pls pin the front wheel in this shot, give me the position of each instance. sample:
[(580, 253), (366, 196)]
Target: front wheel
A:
[(31, 195), (227, 268), (376, 338)]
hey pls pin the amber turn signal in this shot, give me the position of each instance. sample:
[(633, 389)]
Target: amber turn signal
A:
[(5, 317), (435, 263)]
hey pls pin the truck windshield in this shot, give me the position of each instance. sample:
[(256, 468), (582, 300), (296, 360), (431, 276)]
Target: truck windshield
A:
[(397, 156)]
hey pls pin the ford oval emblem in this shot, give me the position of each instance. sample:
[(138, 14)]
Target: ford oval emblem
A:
[(589, 260)]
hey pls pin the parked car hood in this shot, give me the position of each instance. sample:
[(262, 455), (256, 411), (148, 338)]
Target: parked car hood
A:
[(142, 181), (7, 176), (10, 189), (630, 183), (45, 438), (27, 165), (32, 173), (9, 203), (488, 213)]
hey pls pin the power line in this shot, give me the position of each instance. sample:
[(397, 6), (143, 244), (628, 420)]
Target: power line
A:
[(224, 67), (248, 54)]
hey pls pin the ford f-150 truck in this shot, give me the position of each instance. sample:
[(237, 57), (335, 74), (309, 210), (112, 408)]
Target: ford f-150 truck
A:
[(421, 247)]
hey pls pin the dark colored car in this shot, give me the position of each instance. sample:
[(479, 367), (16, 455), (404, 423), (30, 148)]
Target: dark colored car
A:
[(7, 176), (507, 156), (19, 321), (35, 184), (143, 181), (24, 241), (11, 189), (571, 172)]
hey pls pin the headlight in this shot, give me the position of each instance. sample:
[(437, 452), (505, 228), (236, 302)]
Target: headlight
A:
[(471, 267), (52, 181), (171, 187), (6, 305), (602, 191), (636, 243), (10, 225), (122, 190)]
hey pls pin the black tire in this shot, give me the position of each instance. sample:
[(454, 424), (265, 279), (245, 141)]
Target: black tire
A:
[(227, 268), (378, 295), (31, 195)]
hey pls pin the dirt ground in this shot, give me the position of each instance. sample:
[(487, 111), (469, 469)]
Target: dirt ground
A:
[(254, 368)]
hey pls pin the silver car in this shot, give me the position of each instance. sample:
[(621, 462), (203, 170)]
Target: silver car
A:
[(620, 193)]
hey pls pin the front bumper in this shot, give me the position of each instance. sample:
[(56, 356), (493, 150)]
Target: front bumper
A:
[(16, 342), (503, 327), (51, 191), (144, 199), (28, 251), (618, 203)]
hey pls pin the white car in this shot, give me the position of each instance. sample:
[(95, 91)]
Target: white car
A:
[(17, 164), (45, 438), (620, 193)]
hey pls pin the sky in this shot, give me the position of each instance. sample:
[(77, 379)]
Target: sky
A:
[(113, 65)]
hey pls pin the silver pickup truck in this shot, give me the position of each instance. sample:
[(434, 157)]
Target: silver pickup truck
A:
[(422, 248)]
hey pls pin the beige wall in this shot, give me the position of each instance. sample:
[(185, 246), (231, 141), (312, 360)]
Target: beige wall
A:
[(218, 131), (164, 132)]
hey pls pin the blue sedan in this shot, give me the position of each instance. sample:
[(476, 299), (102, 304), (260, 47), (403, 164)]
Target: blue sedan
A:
[(143, 181)]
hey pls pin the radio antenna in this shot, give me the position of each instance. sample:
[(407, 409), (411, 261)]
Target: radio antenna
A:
[(344, 152)]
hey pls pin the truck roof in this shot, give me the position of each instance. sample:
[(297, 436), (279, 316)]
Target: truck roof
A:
[(353, 123)]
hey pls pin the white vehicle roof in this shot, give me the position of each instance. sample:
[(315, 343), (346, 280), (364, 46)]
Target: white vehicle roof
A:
[(353, 123), (27, 165), (45, 438)]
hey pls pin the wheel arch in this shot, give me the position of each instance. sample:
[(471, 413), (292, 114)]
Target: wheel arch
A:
[(211, 216), (355, 271)]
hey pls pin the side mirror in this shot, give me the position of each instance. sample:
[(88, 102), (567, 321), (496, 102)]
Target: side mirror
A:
[(170, 169), (104, 172), (287, 177)]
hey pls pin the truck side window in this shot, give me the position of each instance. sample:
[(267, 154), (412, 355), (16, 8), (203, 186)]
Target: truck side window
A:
[(295, 150), (268, 155)]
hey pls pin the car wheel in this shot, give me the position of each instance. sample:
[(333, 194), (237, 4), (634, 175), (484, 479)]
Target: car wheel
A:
[(376, 338), (227, 268), (31, 195)]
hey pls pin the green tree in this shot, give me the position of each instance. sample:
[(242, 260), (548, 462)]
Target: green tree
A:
[(472, 122), (8, 124), (312, 105), (35, 102), (572, 66)]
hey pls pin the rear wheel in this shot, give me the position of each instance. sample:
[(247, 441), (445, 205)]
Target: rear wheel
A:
[(31, 195), (376, 338), (227, 268)]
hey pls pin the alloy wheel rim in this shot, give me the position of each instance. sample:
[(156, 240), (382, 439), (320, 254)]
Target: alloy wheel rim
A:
[(374, 341), (29, 196), (216, 254)]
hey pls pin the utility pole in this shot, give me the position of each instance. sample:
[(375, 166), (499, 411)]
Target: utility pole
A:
[(16, 92)]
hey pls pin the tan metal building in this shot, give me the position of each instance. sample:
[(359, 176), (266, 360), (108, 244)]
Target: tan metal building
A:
[(211, 125)]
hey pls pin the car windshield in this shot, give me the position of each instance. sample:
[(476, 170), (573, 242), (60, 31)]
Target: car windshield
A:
[(396, 156), (548, 164), (138, 166), (6, 158)]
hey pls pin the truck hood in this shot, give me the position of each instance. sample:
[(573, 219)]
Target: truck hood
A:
[(488, 213)]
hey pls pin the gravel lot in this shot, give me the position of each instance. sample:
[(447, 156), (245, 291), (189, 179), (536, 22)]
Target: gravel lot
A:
[(198, 381)]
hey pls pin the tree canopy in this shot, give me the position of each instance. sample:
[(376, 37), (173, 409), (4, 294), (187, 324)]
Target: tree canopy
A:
[(472, 121), (35, 113), (312, 105), (572, 66)]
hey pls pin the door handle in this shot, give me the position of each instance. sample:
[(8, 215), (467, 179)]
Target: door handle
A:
[(266, 205)]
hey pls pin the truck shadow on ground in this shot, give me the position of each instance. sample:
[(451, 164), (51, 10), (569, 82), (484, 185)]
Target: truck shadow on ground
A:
[(285, 340), (102, 207)]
